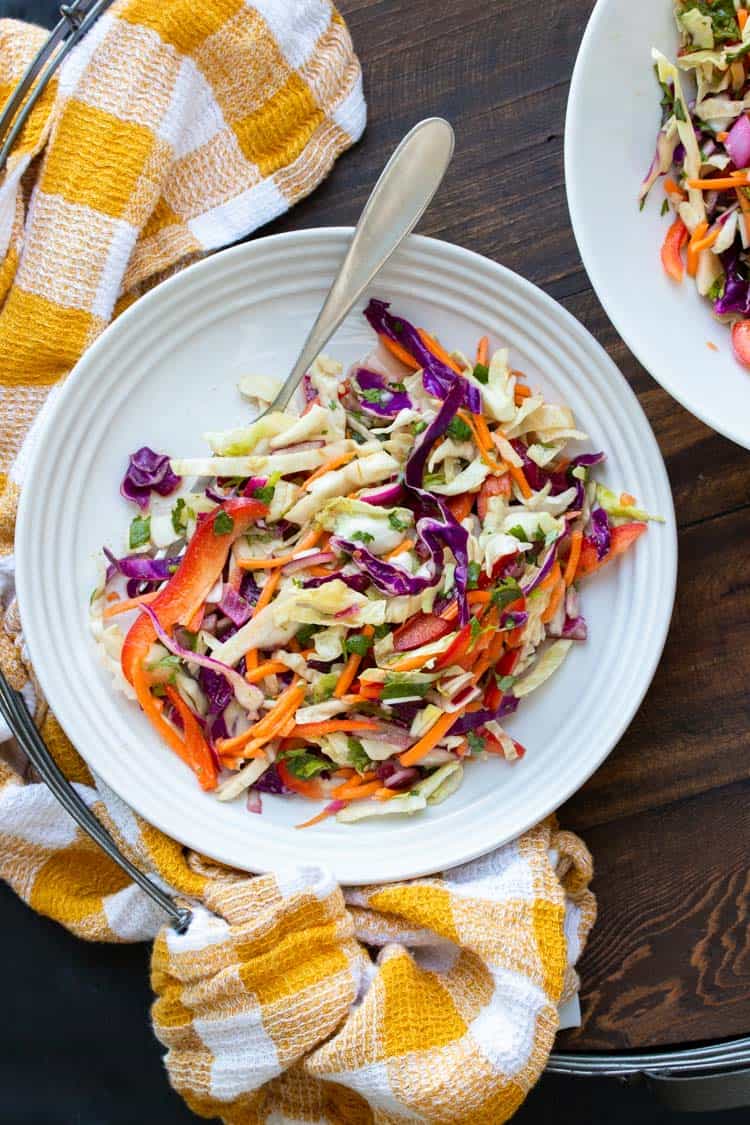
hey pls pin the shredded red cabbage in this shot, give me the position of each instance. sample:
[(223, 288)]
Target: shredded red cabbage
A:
[(473, 719), (234, 606), (600, 533), (389, 402), (437, 377), (148, 470)]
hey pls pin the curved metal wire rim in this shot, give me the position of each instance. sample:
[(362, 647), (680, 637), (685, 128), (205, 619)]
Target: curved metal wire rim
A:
[(77, 19), (712, 1059)]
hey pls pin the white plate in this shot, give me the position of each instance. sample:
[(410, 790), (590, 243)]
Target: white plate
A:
[(165, 372), (610, 132)]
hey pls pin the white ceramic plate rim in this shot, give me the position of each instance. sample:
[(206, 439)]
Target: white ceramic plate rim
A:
[(586, 236), (429, 856)]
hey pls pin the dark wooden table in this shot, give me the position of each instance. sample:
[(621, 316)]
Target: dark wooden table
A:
[(667, 815)]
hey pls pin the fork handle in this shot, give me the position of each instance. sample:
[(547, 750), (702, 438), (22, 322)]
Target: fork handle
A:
[(406, 185), (16, 715)]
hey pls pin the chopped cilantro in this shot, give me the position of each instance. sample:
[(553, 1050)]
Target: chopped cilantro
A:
[(363, 536), (189, 640), (476, 743), (140, 531), (179, 517), (357, 755), (305, 634), (723, 20), (357, 644), (394, 519), (506, 592), (679, 112), (264, 493), (538, 535), (401, 689), (373, 394), (475, 628), (401, 387), (474, 570), (665, 207), (381, 631), (518, 533), (418, 427), (458, 429), (303, 765), (358, 437), (716, 292), (223, 523), (481, 372)]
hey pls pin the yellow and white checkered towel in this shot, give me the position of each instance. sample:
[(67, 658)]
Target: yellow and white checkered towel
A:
[(175, 128)]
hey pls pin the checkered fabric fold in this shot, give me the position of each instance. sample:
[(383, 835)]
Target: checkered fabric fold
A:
[(174, 128)]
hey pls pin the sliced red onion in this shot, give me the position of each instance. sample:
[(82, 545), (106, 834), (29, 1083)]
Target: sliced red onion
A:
[(575, 629), (254, 802), (600, 533), (308, 390), (737, 142), (384, 497), (247, 695), (545, 568), (334, 807), (403, 778), (316, 558), (236, 608), (386, 732)]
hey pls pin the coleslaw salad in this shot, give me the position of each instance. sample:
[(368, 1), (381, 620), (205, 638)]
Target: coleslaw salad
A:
[(702, 156), (346, 602)]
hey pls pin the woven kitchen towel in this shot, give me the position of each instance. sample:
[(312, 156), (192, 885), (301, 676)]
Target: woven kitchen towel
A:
[(174, 128)]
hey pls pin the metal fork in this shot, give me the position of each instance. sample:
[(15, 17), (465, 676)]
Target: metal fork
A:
[(14, 711)]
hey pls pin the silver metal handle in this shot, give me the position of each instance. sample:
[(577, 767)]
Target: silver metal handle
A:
[(406, 185), (14, 711)]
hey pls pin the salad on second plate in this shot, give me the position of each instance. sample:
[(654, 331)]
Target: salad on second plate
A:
[(347, 602), (703, 151)]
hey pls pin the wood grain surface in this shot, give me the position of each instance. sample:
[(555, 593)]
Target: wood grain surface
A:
[(667, 816)]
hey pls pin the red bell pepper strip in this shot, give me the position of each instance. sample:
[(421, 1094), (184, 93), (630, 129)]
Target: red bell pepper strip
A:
[(621, 538), (189, 586), (458, 650), (741, 341), (312, 788), (487, 580), (507, 663), (492, 486), (195, 749), (493, 746), (460, 506), (671, 259), (419, 630)]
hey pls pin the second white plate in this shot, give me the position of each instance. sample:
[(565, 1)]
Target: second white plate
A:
[(610, 133), (165, 372)]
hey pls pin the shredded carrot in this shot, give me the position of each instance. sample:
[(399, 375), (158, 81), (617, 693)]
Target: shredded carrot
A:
[(357, 792), (722, 136), (721, 183), (479, 597), (270, 725), (400, 352), (711, 345), (483, 350), (322, 815), (741, 20), (484, 445), (576, 542), (411, 663), (385, 794), (671, 188), (552, 578), (462, 750), (400, 550), (196, 620), (520, 478), (369, 691), (128, 603), (113, 597), (491, 656), (346, 679), (521, 392), (426, 743), (329, 466), (627, 499), (305, 544), (692, 253), (267, 668), (450, 612), (330, 726), (438, 350), (706, 242), (744, 203), (554, 602)]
